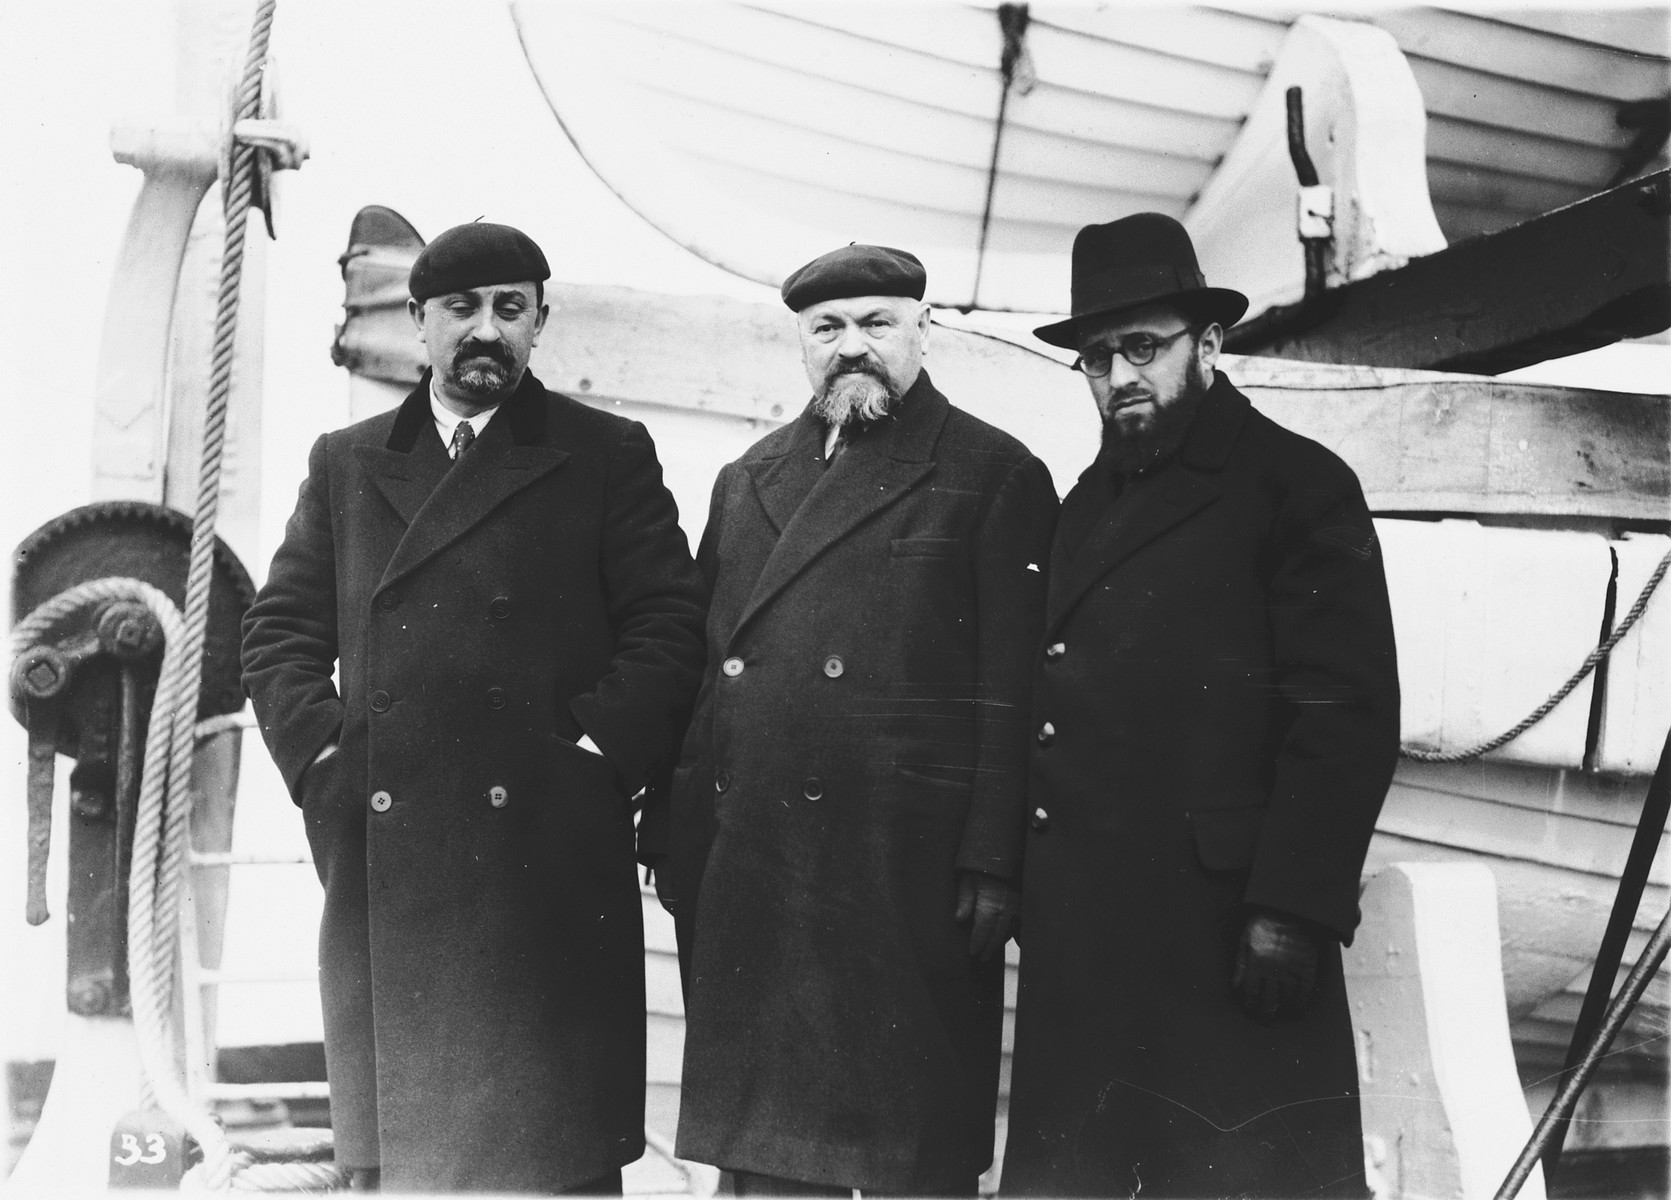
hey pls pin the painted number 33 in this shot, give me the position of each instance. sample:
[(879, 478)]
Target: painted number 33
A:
[(154, 1152)]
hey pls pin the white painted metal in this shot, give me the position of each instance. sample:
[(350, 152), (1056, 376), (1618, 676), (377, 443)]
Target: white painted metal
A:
[(95, 1082), (1489, 623), (1365, 132), (1442, 1108), (129, 409)]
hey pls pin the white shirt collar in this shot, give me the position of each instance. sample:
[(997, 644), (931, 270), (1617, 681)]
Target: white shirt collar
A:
[(446, 420)]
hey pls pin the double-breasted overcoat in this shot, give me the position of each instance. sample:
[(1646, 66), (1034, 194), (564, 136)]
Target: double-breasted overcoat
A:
[(1216, 723), (860, 737), (481, 948)]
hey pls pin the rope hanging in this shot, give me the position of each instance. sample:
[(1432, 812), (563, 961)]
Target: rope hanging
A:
[(161, 832), (163, 793), (1560, 693)]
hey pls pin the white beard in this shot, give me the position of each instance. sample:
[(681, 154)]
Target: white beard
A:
[(855, 398)]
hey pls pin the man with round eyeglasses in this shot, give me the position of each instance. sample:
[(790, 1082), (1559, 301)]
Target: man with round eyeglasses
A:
[(1215, 716)]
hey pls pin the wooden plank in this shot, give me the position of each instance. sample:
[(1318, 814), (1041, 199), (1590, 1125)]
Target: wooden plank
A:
[(1124, 122), (1641, 30), (1475, 40), (1571, 280), (656, 34), (1574, 794), (1466, 143), (1132, 73), (1502, 831), (1521, 194), (1478, 95), (1243, 41), (1420, 441)]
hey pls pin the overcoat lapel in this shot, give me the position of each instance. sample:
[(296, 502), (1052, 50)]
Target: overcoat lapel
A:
[(782, 483), (440, 510), (1179, 489), (1137, 519), (408, 466), (874, 472)]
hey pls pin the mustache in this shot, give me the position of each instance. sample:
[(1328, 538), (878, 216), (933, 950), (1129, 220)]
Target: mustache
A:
[(491, 350), (859, 366), (1129, 395)]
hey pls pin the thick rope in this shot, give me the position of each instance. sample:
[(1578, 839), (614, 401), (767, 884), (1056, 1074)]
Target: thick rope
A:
[(1561, 693), (163, 790), (200, 574), (251, 1175), (162, 830)]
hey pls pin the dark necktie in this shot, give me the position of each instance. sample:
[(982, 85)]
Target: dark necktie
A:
[(463, 438)]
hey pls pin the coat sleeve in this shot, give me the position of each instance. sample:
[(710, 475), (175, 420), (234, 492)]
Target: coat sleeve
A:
[(655, 826), (290, 634), (656, 605), (1011, 565), (1337, 673)]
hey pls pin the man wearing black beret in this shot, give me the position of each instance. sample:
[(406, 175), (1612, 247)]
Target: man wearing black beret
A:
[(848, 812), (498, 575), (1215, 715)]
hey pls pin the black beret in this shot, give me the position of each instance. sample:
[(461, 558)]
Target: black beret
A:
[(856, 270), (473, 256)]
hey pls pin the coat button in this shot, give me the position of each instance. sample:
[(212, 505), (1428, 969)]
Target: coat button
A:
[(498, 796), (732, 666), (388, 601), (380, 801), (1040, 821), (833, 666), (1046, 734), (496, 697), (813, 789), (500, 607), (1055, 650), (380, 701), (722, 779)]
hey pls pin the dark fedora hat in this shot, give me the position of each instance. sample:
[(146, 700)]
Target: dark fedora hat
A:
[(1145, 258)]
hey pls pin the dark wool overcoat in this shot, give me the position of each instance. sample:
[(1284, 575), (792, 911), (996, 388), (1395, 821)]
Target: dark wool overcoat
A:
[(860, 738), (1216, 717), (481, 951)]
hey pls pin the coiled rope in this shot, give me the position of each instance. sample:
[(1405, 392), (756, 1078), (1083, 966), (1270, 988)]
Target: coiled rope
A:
[(1419, 754), (158, 844)]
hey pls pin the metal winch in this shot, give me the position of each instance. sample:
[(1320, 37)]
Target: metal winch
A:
[(85, 690)]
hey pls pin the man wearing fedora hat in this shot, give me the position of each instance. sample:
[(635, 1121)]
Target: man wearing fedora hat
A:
[(497, 574), (849, 810), (1215, 717)]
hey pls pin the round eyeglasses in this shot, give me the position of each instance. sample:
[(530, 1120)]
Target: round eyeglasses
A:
[(1139, 350)]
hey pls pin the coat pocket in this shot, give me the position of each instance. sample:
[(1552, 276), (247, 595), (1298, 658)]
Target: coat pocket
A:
[(318, 779), (584, 766), (1226, 838), (926, 547)]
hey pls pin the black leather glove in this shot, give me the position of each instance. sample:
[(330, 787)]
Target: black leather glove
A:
[(990, 905), (1276, 967)]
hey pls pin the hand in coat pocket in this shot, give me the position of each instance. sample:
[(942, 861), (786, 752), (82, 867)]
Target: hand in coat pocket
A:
[(990, 906), (314, 769)]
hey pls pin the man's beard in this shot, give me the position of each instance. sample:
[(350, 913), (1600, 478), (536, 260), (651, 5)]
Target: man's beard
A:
[(855, 395), (480, 369), (1142, 441)]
